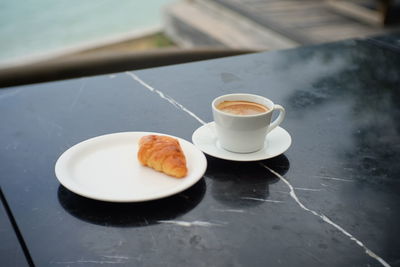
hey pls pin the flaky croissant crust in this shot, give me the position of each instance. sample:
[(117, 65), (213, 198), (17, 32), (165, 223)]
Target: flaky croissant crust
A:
[(164, 154)]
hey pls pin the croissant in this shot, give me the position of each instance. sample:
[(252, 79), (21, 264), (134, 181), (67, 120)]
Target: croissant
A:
[(164, 154)]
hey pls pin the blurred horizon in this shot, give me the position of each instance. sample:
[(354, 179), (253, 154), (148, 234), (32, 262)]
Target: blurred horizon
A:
[(41, 30), (37, 29)]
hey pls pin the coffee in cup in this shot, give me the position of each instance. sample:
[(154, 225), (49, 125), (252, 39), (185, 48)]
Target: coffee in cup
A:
[(242, 121), (242, 107)]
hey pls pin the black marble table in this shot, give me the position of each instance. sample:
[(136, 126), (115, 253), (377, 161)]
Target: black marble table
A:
[(332, 199), (11, 251)]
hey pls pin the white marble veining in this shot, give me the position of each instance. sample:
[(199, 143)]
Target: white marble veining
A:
[(8, 93), (230, 210), (190, 224), (163, 96), (78, 95), (80, 262), (116, 257), (108, 259), (261, 199), (334, 178), (308, 189), (326, 219)]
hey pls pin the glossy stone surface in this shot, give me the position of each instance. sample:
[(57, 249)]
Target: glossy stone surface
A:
[(330, 200), (11, 253), (390, 41)]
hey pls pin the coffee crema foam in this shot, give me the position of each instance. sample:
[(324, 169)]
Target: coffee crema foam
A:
[(242, 107)]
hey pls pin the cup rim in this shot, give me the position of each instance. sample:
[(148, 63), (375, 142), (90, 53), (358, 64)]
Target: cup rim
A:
[(241, 116)]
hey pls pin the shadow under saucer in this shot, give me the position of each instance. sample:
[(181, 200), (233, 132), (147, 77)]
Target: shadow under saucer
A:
[(238, 184)]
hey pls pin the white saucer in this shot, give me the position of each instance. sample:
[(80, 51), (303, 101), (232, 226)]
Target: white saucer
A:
[(276, 143)]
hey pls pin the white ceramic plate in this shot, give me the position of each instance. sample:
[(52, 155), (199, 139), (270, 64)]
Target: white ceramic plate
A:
[(106, 168), (277, 142)]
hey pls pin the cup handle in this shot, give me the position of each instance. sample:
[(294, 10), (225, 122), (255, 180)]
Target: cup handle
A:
[(279, 119)]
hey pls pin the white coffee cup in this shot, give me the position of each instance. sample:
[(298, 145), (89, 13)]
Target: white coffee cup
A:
[(245, 133)]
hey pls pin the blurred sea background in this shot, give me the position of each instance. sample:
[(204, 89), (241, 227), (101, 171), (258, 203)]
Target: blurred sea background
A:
[(40, 29)]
